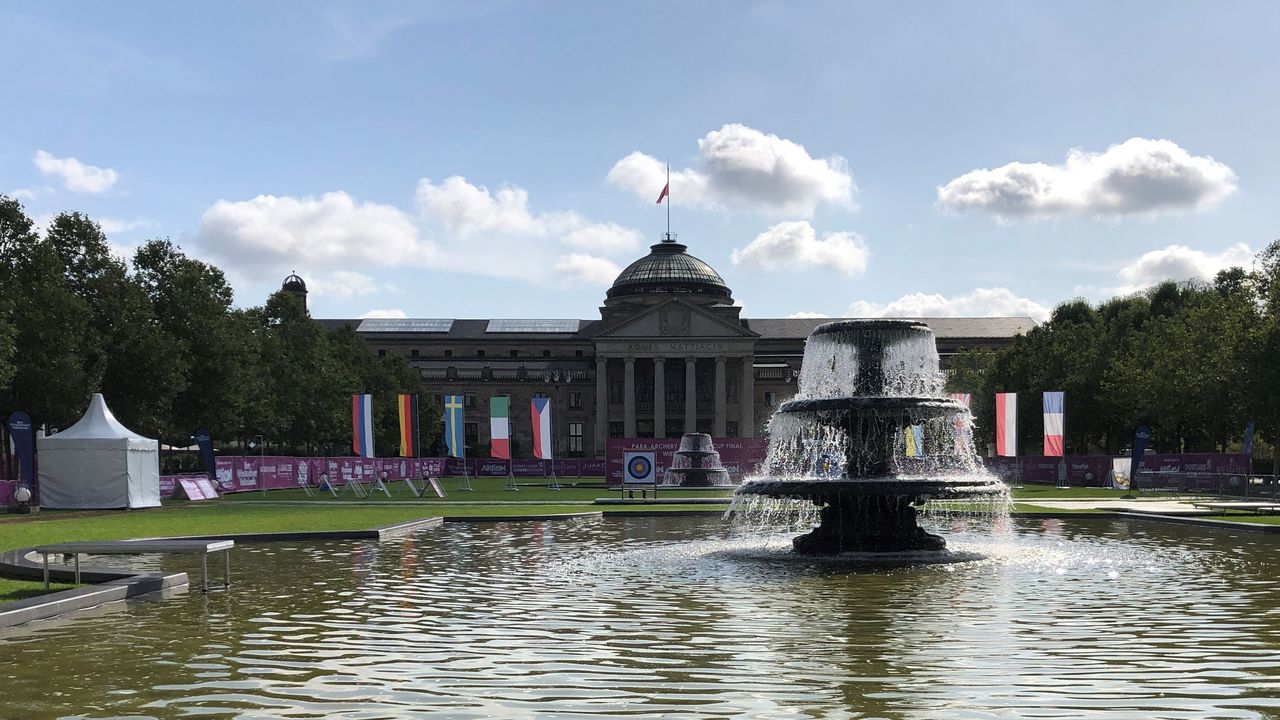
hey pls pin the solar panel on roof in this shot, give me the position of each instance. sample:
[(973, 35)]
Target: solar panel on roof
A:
[(532, 326), (405, 325)]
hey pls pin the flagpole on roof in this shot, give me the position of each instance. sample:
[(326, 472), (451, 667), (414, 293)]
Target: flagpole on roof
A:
[(668, 201)]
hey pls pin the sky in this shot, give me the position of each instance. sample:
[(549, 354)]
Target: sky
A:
[(502, 159)]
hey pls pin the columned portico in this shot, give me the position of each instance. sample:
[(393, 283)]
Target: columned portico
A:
[(659, 397), (602, 403), (718, 426), (629, 397), (746, 403), (690, 394)]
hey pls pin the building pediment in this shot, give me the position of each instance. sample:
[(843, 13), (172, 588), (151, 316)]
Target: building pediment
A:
[(675, 319)]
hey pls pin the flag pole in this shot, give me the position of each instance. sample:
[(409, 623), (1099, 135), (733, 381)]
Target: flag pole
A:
[(511, 462), (668, 200)]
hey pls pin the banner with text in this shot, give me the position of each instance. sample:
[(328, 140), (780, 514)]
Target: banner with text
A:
[(740, 456)]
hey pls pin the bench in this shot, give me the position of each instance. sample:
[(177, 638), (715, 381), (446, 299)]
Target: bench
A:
[(143, 547)]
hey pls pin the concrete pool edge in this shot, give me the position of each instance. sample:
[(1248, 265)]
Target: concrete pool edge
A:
[(106, 584)]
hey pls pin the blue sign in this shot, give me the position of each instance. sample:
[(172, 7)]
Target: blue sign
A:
[(1140, 438), (204, 439), (24, 444)]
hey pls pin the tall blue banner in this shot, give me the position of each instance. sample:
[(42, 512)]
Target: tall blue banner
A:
[(24, 444), (204, 439), (1140, 438), (1248, 443)]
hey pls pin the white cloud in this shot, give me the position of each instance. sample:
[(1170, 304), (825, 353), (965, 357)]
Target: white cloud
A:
[(75, 175), (341, 284), (22, 194), (795, 245), (116, 225), (982, 302), (1173, 262), (1139, 176), (578, 268), (263, 236), (605, 238), (389, 313), (805, 314), (739, 165)]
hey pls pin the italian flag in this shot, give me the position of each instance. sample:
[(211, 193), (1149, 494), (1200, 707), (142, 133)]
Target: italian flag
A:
[(500, 428)]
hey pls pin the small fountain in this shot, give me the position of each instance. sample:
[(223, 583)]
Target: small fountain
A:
[(696, 464), (868, 438)]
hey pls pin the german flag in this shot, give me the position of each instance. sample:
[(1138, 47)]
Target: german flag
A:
[(407, 406)]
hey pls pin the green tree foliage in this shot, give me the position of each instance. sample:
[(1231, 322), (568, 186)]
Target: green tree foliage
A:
[(163, 342)]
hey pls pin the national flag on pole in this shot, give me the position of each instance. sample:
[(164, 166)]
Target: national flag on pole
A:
[(362, 425), (1007, 424), (500, 428), (961, 422), (453, 430), (541, 412), (1054, 423), (914, 437), (407, 408), (666, 190)]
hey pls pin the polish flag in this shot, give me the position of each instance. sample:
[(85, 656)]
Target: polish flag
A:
[(1007, 424), (1054, 423), (666, 190)]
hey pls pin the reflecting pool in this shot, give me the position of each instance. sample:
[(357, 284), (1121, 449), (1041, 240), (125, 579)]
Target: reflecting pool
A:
[(677, 618)]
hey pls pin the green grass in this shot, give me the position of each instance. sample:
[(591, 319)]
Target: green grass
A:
[(11, 590), (1246, 518), (486, 489), (1030, 508), (1049, 492)]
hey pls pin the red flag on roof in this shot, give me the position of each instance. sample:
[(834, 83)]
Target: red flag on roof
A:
[(666, 190)]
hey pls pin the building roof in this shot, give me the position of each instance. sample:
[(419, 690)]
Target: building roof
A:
[(958, 327), (668, 268), (767, 328)]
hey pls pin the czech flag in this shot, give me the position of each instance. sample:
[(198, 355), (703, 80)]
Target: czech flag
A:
[(500, 428), (408, 410), (542, 428), (1007, 424), (362, 425), (1054, 423)]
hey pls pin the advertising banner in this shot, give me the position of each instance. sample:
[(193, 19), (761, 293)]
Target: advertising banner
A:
[(1095, 470), (24, 446), (740, 456)]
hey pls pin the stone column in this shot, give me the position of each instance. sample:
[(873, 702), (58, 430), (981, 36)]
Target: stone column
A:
[(629, 398), (690, 395), (602, 404), (659, 397), (718, 426), (747, 423)]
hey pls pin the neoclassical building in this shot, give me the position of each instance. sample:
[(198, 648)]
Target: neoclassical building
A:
[(668, 354)]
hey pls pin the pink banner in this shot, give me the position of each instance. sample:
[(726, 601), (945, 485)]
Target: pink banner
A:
[(740, 456), (1094, 470)]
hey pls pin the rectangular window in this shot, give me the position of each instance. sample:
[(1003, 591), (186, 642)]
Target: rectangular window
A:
[(515, 353), (770, 399), (540, 395), (575, 399), (731, 428), (575, 438), (577, 353), (546, 353), (615, 429), (414, 353), (382, 353), (479, 353), (448, 353), (471, 434), (471, 400)]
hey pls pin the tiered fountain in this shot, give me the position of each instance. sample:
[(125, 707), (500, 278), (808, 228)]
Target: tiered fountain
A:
[(696, 464), (847, 442)]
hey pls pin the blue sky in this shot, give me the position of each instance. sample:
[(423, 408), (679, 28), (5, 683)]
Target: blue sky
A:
[(502, 159)]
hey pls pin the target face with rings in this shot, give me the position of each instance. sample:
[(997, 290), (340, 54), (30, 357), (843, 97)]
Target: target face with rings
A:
[(639, 468)]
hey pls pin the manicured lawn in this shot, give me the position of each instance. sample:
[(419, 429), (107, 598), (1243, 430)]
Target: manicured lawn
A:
[(11, 590), (1029, 508), (1247, 518), (486, 489), (1049, 492)]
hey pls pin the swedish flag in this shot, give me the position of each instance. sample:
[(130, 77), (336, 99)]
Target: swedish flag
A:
[(453, 432)]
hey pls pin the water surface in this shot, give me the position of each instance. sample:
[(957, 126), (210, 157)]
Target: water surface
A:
[(670, 617)]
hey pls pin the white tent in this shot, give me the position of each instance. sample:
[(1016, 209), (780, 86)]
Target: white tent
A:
[(98, 463)]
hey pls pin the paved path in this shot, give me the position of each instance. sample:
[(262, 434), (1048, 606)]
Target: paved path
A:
[(1160, 507)]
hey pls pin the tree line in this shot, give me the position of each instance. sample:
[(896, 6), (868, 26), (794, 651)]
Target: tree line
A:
[(1195, 361), (160, 337)]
